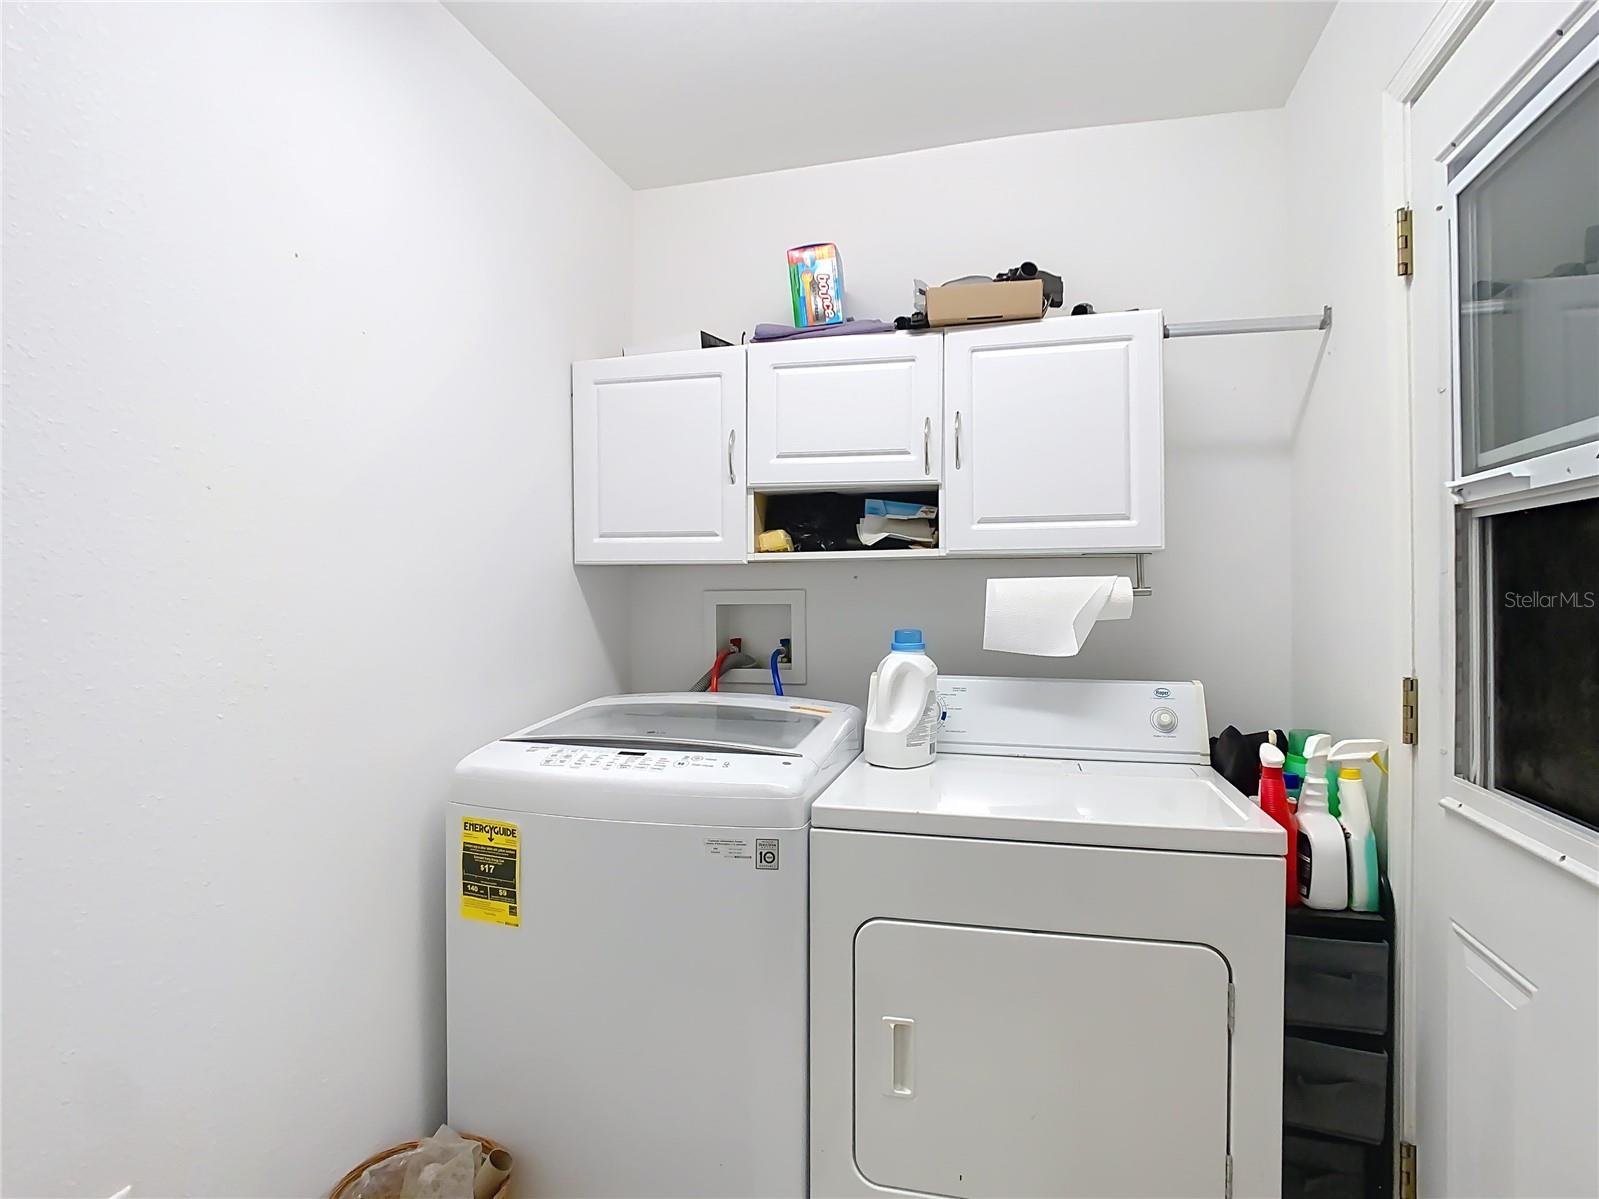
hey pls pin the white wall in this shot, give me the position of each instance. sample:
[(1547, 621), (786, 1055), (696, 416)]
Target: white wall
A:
[(1351, 469), (1190, 216), (290, 298)]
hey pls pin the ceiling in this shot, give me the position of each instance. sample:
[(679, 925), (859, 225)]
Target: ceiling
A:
[(670, 92)]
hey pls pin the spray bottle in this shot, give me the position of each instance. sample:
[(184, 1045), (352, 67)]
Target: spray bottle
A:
[(1323, 853), (1355, 817), (1274, 802)]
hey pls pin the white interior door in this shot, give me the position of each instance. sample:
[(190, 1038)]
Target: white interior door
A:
[(1055, 436), (846, 410), (996, 1062), (1505, 374), (658, 458)]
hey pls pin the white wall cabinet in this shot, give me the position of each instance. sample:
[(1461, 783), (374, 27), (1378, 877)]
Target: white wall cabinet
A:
[(1041, 437), (846, 411), (1055, 436), (658, 458)]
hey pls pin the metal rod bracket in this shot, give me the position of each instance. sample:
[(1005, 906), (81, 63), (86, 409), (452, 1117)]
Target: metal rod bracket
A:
[(1140, 587)]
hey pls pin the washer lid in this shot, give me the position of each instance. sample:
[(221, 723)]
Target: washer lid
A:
[(745, 761), (751, 724), (1119, 804)]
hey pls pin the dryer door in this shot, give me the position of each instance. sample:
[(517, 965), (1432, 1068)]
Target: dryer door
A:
[(997, 1062)]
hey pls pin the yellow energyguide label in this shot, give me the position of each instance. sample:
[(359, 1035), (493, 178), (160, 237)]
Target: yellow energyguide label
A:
[(491, 871)]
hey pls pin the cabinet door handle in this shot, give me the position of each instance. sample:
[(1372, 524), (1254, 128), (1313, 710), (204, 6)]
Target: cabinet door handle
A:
[(732, 436), (901, 1065), (927, 445), (957, 441)]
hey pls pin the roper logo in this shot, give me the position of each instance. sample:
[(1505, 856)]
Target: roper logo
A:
[(1162, 692)]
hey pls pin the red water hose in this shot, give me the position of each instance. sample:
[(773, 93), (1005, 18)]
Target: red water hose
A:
[(716, 668)]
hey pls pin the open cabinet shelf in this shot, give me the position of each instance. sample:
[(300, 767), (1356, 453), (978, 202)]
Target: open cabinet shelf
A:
[(919, 555), (827, 498)]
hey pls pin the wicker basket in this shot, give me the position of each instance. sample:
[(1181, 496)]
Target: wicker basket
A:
[(345, 1183)]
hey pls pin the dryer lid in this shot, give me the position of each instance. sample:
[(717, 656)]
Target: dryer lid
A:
[(1114, 804)]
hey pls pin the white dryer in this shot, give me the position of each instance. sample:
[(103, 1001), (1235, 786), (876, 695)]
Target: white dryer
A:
[(625, 942), (1051, 963)]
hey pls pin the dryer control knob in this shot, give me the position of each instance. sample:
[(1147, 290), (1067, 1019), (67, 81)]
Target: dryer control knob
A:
[(1164, 720)]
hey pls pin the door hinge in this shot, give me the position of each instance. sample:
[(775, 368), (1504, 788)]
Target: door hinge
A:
[(1409, 711), (1227, 1179), (1404, 244), (1232, 1007), (1407, 1170)]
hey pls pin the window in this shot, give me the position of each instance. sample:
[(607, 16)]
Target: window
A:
[(1529, 685), (1528, 280)]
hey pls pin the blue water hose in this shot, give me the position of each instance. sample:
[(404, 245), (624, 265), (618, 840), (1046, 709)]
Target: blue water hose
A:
[(777, 681)]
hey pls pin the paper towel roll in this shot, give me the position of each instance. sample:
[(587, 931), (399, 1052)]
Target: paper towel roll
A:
[(1052, 617)]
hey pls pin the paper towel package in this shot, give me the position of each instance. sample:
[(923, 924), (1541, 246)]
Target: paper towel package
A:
[(1052, 617)]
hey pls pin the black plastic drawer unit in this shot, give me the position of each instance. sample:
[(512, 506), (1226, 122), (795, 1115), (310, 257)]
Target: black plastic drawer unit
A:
[(1335, 1089), (1318, 1169), (1336, 984)]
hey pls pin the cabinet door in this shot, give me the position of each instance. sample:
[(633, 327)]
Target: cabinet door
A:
[(995, 1062), (846, 410), (658, 458), (1055, 436)]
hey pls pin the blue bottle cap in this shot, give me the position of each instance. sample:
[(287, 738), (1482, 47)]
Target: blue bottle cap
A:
[(908, 641)]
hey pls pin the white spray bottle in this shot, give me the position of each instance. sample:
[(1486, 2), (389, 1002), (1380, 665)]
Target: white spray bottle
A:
[(1323, 853), (1354, 813)]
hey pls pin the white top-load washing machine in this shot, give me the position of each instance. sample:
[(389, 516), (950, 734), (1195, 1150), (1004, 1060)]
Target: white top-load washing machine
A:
[(1051, 963), (626, 949)]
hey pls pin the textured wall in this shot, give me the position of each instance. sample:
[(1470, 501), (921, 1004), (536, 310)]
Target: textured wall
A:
[(291, 292)]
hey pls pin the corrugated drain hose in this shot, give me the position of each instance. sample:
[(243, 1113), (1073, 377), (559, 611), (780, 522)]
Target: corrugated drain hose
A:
[(725, 661)]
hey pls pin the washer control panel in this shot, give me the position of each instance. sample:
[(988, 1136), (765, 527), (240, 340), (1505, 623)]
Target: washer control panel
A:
[(591, 759)]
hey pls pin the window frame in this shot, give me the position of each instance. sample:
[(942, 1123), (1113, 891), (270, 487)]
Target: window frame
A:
[(1520, 484)]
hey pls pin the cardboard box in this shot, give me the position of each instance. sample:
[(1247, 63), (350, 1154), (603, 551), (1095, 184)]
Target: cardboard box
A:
[(984, 303)]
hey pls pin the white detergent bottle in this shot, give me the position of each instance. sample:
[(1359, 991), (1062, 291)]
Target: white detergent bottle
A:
[(1323, 853), (902, 706), (1354, 813)]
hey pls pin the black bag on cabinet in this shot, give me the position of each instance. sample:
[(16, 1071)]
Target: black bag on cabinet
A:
[(1236, 756)]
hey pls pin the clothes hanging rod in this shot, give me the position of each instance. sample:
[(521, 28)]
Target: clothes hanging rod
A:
[(1265, 324)]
